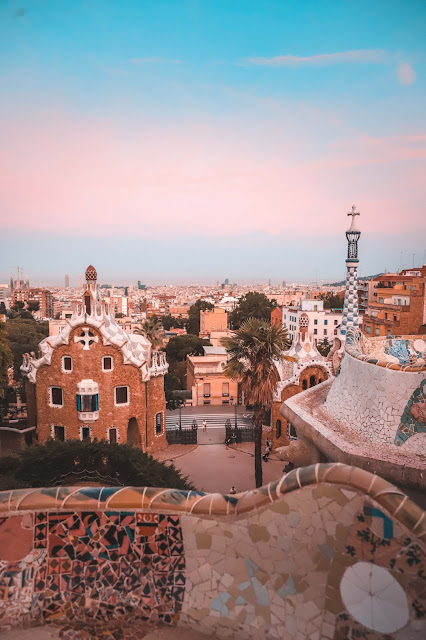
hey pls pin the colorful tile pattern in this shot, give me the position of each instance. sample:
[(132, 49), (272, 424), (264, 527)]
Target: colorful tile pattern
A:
[(413, 419), (268, 563)]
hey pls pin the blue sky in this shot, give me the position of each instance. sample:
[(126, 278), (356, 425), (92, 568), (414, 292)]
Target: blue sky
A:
[(198, 140)]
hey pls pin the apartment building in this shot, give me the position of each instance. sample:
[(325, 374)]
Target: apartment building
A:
[(43, 296), (206, 380), (398, 305), (212, 320), (324, 323)]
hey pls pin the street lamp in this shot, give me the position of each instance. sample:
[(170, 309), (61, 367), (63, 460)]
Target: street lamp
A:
[(236, 409)]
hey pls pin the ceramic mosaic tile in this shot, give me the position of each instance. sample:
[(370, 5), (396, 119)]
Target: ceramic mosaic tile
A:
[(328, 552)]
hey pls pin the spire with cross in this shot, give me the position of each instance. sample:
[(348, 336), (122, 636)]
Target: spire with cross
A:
[(350, 305)]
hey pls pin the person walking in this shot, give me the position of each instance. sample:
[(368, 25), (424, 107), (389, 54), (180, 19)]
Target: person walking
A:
[(204, 425)]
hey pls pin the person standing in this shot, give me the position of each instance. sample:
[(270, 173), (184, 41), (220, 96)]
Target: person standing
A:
[(204, 425), (233, 490)]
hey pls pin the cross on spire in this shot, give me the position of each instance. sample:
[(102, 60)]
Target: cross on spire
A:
[(353, 213)]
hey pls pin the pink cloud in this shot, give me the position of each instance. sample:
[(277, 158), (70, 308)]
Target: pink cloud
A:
[(65, 173), (405, 73)]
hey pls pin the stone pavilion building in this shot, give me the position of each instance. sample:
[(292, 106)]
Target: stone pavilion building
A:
[(94, 380)]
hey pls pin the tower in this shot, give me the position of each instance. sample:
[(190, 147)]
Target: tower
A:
[(67, 281), (350, 305)]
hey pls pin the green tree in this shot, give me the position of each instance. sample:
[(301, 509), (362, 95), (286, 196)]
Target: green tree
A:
[(55, 463), (153, 331), (324, 347), (3, 310), (193, 325), (252, 305), (179, 347), (331, 301), (24, 336), (33, 305), (18, 306), (6, 361), (254, 349), (169, 322)]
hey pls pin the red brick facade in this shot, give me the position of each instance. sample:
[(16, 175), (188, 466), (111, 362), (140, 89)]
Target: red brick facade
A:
[(72, 388), (88, 365)]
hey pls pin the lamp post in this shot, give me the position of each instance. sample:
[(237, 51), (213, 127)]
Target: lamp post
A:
[(180, 417), (236, 409)]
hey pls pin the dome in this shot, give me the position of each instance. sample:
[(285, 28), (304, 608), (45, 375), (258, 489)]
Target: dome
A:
[(91, 274)]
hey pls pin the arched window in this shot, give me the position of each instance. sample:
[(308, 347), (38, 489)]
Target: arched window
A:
[(319, 380), (304, 384), (291, 432), (312, 381), (278, 427), (87, 303)]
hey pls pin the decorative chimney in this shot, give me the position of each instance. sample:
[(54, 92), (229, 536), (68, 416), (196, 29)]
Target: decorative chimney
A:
[(350, 305)]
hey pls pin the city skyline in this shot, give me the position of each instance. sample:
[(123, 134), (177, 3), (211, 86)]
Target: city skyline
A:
[(184, 138)]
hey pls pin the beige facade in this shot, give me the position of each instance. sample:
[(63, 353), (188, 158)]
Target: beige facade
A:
[(213, 320), (206, 380)]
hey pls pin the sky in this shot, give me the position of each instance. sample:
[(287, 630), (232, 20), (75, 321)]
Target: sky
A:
[(196, 140)]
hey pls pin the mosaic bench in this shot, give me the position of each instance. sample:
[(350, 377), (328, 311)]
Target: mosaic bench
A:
[(328, 551)]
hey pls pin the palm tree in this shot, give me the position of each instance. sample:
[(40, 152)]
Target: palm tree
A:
[(153, 331), (254, 349)]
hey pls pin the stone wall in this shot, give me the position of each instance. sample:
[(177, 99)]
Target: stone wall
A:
[(328, 552), (380, 404)]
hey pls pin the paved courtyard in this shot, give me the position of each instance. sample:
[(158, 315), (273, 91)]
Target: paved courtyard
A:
[(216, 468)]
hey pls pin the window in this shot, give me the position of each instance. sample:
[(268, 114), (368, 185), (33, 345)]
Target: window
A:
[(291, 432), (335, 322), (315, 321), (225, 401), (325, 321), (304, 384), (87, 403), (325, 332), (66, 363), (278, 428), (107, 363), (121, 395), (386, 316), (59, 433), (225, 389), (377, 331), (381, 300), (368, 329), (395, 318), (84, 433), (312, 381), (112, 435), (206, 388), (158, 422), (206, 402), (56, 397), (315, 331), (388, 333)]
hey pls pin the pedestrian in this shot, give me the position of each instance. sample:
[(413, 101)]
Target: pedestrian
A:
[(265, 456), (233, 490), (204, 425)]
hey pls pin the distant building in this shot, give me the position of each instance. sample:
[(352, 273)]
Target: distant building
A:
[(324, 323), (142, 287), (80, 281), (397, 305), (212, 320), (43, 296), (206, 380), (94, 380), (67, 281)]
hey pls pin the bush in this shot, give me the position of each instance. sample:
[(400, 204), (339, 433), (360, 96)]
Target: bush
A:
[(55, 463)]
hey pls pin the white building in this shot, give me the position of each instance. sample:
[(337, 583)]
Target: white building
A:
[(323, 323)]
